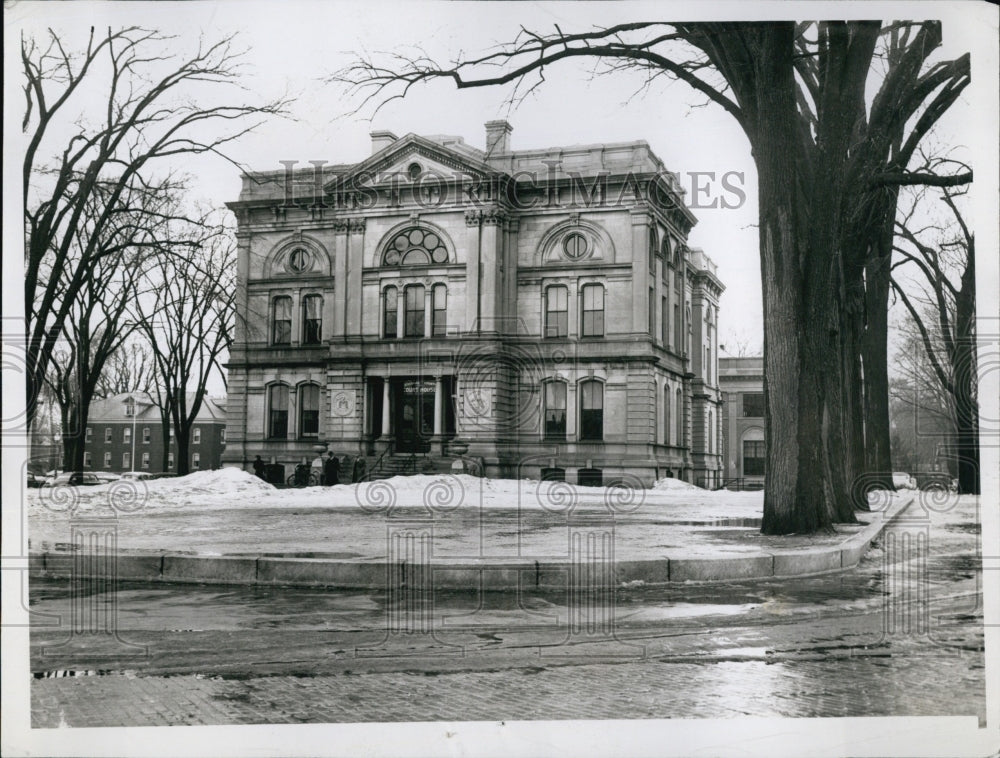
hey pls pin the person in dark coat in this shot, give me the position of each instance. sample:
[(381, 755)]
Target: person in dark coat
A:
[(331, 470), (258, 467)]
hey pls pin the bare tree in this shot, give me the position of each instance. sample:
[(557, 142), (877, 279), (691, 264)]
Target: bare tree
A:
[(188, 323), (97, 320), (800, 92), (101, 121), (128, 369), (941, 302)]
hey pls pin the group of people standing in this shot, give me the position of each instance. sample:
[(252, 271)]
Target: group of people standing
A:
[(330, 469)]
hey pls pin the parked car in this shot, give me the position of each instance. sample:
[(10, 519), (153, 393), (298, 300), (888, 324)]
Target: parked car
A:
[(138, 475), (107, 477), (933, 480), (74, 479), (903, 481)]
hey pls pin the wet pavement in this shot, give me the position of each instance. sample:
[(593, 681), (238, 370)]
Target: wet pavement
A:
[(902, 634)]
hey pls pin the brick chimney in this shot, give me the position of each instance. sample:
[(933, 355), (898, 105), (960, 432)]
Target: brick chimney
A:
[(498, 137), (382, 140)]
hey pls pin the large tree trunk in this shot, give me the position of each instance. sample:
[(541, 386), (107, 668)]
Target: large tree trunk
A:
[(801, 350), (964, 370)]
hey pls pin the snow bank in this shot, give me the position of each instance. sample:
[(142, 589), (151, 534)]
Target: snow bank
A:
[(670, 483), (235, 489)]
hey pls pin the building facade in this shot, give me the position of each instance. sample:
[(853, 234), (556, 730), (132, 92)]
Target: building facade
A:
[(112, 422), (537, 311), (741, 381)]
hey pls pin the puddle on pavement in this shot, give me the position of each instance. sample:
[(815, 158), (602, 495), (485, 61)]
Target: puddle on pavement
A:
[(685, 610)]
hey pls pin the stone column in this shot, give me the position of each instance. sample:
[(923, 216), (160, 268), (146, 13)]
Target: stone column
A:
[(437, 441), (472, 270), (428, 308), (400, 312), (640, 270), (386, 439)]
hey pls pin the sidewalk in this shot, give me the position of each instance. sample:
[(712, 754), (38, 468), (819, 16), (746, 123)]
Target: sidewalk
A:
[(452, 531)]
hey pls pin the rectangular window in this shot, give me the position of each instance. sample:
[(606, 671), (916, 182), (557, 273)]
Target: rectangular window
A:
[(312, 320), (753, 457), (439, 314), (278, 421), (281, 334), (593, 310), (309, 411), (87, 461), (126, 461), (391, 311), (753, 405), (107, 435), (146, 435), (107, 460), (555, 411), (591, 411), (89, 434), (414, 326), (145, 460), (222, 434), (556, 312), (196, 436), (127, 434), (196, 460), (170, 460)]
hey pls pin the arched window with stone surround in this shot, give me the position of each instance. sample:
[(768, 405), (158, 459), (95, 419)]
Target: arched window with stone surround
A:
[(415, 246)]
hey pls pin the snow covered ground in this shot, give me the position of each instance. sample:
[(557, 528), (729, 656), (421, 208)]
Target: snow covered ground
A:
[(232, 488)]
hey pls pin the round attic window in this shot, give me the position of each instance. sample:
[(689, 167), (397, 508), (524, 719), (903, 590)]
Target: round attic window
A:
[(413, 171), (576, 246), (299, 260)]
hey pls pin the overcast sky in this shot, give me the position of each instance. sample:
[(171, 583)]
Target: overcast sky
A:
[(292, 45)]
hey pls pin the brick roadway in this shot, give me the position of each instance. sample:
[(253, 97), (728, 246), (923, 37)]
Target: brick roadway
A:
[(809, 647), (596, 691)]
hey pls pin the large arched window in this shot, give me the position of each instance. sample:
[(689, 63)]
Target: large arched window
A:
[(711, 432), (309, 410), (415, 247), (680, 419), (277, 406), (414, 303), (555, 411), (281, 321), (591, 410), (556, 311), (439, 310), (592, 311), (754, 452), (312, 320), (654, 245), (667, 401), (390, 312)]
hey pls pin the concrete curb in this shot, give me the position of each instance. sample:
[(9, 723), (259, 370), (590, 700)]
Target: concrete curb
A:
[(483, 574)]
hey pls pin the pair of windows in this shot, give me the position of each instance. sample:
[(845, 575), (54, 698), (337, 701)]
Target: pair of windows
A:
[(414, 311), (278, 396), (591, 411), (557, 311), (312, 320)]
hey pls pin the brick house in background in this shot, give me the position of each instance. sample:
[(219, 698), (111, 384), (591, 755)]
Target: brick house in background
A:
[(741, 381), (554, 331), (108, 443)]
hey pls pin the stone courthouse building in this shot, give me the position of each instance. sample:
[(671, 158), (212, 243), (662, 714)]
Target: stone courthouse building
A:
[(536, 311)]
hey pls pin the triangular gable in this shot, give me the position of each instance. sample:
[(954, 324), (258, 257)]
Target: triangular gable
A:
[(394, 161)]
